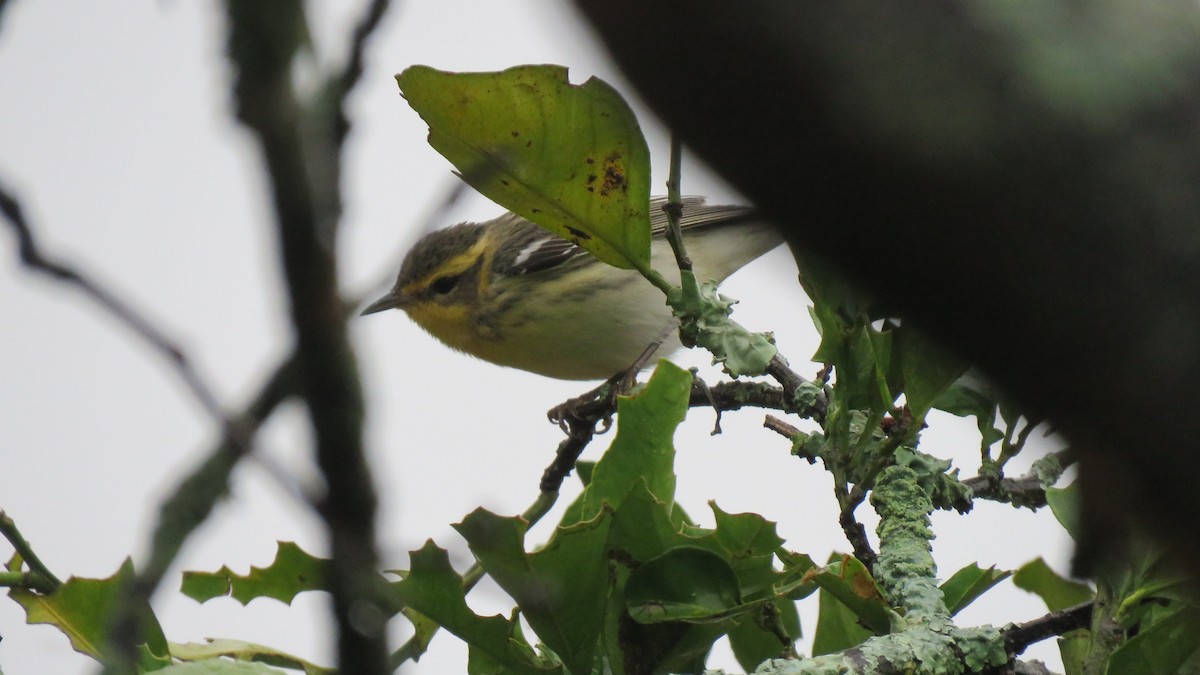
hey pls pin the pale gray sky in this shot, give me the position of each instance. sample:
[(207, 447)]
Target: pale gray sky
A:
[(116, 131)]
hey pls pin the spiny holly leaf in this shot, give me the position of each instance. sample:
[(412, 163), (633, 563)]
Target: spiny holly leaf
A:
[(642, 450), (749, 543), (292, 572), (434, 589), (83, 609), (561, 589), (745, 534), (571, 158), (745, 544)]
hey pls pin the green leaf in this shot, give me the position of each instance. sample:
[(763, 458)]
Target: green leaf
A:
[(83, 609), (745, 534), (642, 450), (479, 662), (1064, 503), (293, 571), (244, 651), (1169, 647), (797, 575), (838, 628), (148, 661), (561, 589), (1057, 592), (967, 584), (683, 584), (861, 368), (963, 399), (749, 543), (571, 158), (643, 528), (831, 293), (583, 469), (928, 369), (1150, 582), (434, 589), (1074, 647), (220, 667), (424, 628), (850, 582), (753, 643)]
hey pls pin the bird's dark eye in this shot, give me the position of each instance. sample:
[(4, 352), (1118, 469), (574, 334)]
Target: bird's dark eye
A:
[(443, 285)]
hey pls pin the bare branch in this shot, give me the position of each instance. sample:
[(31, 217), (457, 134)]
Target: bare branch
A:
[(780, 427), (301, 148), (855, 533), (1020, 636), (589, 410), (342, 83)]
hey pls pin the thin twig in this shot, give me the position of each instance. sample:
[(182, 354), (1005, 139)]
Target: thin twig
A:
[(780, 427), (791, 382), (1020, 636), (589, 411), (579, 434), (1025, 491), (674, 207), (855, 533), (342, 83)]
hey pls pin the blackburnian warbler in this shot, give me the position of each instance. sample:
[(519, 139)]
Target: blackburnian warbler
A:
[(510, 292)]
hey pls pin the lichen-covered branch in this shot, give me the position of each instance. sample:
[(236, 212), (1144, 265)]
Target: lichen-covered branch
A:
[(924, 638), (1027, 491), (580, 424)]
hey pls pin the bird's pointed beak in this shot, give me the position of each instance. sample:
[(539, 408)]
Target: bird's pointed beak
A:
[(390, 301)]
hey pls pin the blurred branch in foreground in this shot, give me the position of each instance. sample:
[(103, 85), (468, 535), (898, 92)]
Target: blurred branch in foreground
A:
[(1014, 181)]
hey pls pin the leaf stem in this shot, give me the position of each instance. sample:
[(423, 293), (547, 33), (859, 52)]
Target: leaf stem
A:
[(674, 206), (8, 528)]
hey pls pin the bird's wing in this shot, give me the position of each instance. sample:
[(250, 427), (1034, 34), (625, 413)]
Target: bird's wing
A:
[(542, 250), (696, 214)]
